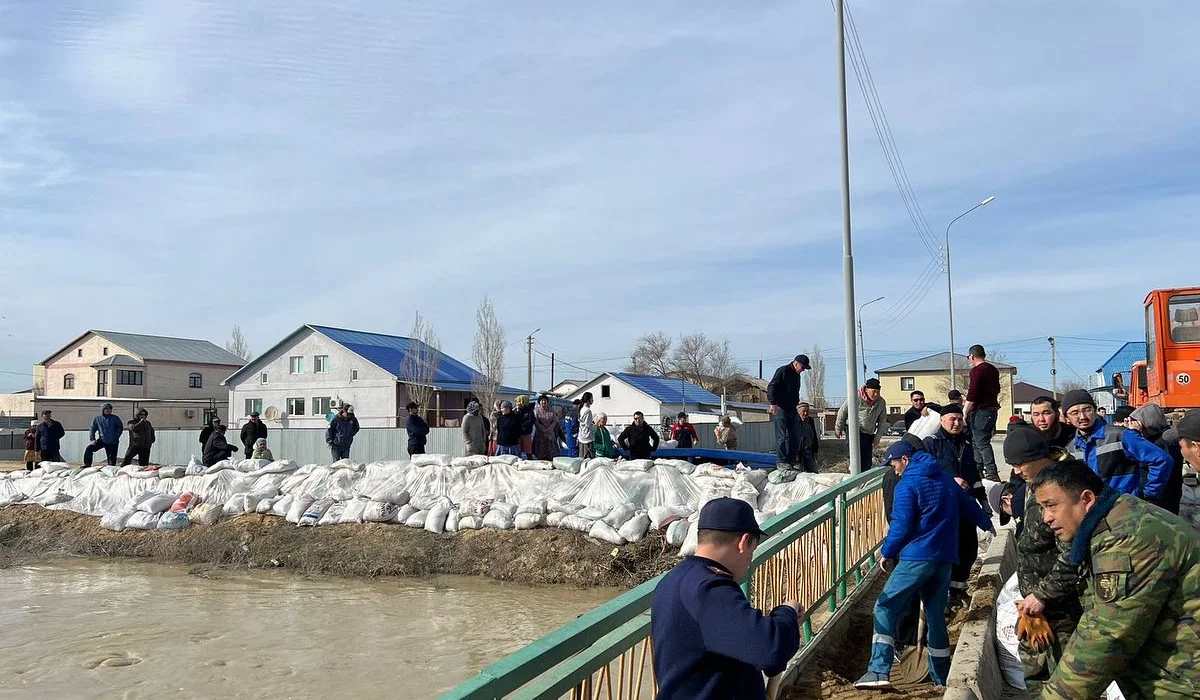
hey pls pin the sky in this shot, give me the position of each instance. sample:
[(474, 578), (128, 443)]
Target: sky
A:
[(600, 171)]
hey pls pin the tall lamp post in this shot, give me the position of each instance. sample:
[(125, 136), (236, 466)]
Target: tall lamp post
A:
[(950, 289), (862, 347)]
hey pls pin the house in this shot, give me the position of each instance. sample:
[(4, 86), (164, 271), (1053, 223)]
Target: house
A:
[(1121, 363), (304, 378), (178, 380), (619, 394), (566, 387), (1023, 394), (931, 376)]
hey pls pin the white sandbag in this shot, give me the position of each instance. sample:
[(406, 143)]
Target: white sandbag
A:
[(299, 507), (13, 499), (620, 515), (219, 466), (758, 477), (435, 521), (206, 514), (279, 466), (603, 531), (115, 521), (574, 522), (405, 512), (333, 516), (743, 490), (570, 465), (635, 528), (532, 508), (195, 466), (51, 467), (171, 473), (137, 472), (283, 506), (498, 519), (87, 472), (391, 494), (634, 465), (376, 512), (354, 511), (594, 512), (470, 462), (267, 504), (505, 459), (688, 548), (469, 522), (239, 504), (156, 503), (528, 521), (568, 508), (715, 470), (1007, 645), (599, 462), (54, 498), (509, 510), (142, 520), (533, 465), (662, 516), (431, 461), (926, 426), (677, 533), (110, 470), (452, 520), (173, 521), (555, 519), (478, 507), (417, 519), (314, 512)]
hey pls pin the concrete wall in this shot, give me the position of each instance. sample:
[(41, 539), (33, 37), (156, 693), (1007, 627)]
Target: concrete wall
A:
[(975, 670)]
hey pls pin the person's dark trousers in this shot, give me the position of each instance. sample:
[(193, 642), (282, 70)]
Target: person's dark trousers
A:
[(249, 451), (866, 443), (51, 456), (339, 452), (142, 454), (416, 449), (983, 425), (808, 462), (787, 434), (110, 451), (587, 450), (968, 552)]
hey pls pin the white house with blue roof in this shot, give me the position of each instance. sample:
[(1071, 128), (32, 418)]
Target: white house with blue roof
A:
[(619, 394), (316, 369)]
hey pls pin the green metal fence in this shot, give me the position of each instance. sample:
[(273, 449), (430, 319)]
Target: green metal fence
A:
[(818, 552)]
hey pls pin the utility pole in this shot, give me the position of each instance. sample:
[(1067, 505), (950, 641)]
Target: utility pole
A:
[(862, 346), (760, 369), (1053, 367), (847, 249), (551, 370), (950, 290), (529, 359)]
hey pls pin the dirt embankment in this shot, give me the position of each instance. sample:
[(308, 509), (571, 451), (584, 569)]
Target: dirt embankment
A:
[(543, 556)]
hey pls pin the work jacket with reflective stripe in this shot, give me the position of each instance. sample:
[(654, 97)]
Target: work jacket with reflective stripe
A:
[(1125, 460)]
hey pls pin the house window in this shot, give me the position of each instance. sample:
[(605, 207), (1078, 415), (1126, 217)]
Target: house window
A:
[(605, 391), (129, 377), (253, 406), (195, 381), (894, 410), (295, 407), (320, 364), (296, 365), (262, 378), (354, 375), (106, 351), (79, 352), (908, 383), (322, 405), (68, 381), (102, 383)]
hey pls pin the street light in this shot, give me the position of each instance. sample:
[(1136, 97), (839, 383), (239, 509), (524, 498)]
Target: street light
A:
[(862, 348), (949, 289), (529, 359)]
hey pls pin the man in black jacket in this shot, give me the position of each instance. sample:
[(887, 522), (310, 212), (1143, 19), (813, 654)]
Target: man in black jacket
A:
[(49, 438), (141, 437), (417, 429), (251, 432), (783, 393), (919, 408), (810, 439), (217, 449), (638, 439)]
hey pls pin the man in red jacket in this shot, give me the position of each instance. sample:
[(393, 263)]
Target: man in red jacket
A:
[(981, 409)]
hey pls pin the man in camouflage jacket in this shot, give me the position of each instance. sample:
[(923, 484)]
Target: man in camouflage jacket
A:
[(1045, 575), (1140, 610)]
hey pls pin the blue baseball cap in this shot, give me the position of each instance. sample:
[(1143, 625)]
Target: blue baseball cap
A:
[(730, 515), (906, 446)]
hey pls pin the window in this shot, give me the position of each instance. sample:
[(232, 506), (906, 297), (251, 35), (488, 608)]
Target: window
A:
[(894, 410), (195, 381), (354, 375), (1151, 350), (322, 405), (253, 406), (102, 383), (262, 378), (106, 351), (295, 407), (296, 365), (129, 377), (605, 391), (68, 381), (320, 364), (908, 383), (79, 352), (1183, 315)]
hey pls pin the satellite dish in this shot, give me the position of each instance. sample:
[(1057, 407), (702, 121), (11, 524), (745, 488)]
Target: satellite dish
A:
[(271, 413)]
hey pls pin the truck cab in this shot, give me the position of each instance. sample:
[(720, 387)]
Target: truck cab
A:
[(1170, 376)]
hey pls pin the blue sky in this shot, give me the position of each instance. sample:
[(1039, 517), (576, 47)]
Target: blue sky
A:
[(600, 171)]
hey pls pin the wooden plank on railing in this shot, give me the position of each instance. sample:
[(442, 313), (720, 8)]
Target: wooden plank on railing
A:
[(581, 666)]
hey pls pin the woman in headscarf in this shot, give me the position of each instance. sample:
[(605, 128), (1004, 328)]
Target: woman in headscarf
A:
[(261, 451), (545, 433), (525, 411), (605, 447), (508, 431), (475, 431), (1151, 422)]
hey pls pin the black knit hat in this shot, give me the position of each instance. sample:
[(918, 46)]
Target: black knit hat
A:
[(952, 408), (1189, 426), (1076, 397), (1023, 445), (1121, 413)]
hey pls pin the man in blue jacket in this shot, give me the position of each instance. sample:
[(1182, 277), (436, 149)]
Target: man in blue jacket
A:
[(710, 643), (417, 429), (1124, 459), (340, 434), (105, 434), (920, 548)]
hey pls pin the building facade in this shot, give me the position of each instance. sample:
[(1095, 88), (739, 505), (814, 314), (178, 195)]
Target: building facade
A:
[(660, 399), (931, 375)]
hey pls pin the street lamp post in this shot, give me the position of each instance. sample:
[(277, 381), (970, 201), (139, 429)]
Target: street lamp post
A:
[(950, 291), (862, 347)]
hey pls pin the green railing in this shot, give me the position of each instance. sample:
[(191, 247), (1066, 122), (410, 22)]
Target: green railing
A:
[(818, 552)]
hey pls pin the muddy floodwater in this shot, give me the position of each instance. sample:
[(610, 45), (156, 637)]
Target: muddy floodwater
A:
[(102, 629)]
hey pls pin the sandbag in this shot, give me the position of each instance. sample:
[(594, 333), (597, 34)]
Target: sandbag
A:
[(570, 465), (714, 470), (56, 497), (662, 516), (376, 512), (333, 515), (470, 462), (743, 490), (12, 499), (171, 473), (173, 521), (528, 521), (391, 493), (283, 506), (782, 476), (431, 461), (299, 507), (574, 522), (185, 502), (452, 520), (594, 512), (555, 519), (353, 512), (603, 531), (51, 467), (435, 521), (599, 462), (477, 507), (509, 510), (758, 477), (532, 508), (219, 466), (677, 533), (1007, 645), (504, 459), (314, 512), (405, 512), (566, 507), (206, 514), (635, 528), (86, 472), (141, 520), (155, 503), (469, 522), (688, 548), (926, 426), (265, 505), (498, 519), (635, 465), (241, 503), (195, 467), (115, 521), (533, 465), (620, 515), (417, 519)]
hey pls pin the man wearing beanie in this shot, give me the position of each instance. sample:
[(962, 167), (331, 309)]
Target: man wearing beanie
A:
[(1124, 459), (1046, 579), (1187, 431)]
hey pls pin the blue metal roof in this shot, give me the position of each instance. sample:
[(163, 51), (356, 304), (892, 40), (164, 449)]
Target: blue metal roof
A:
[(667, 390), (1121, 361)]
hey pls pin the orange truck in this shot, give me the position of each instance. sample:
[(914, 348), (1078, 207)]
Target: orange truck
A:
[(1170, 374)]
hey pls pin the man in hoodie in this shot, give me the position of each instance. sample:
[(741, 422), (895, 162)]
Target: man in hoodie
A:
[(141, 437), (1124, 459), (105, 434), (475, 431), (919, 551), (1152, 424), (417, 429), (340, 434), (251, 432), (587, 427)]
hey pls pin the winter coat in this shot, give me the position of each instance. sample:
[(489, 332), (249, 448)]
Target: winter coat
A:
[(141, 433), (31, 438), (957, 459), (418, 431), (926, 509), (341, 430), (784, 388), (640, 443), (508, 430), (810, 437), (107, 429), (587, 424), (262, 453), (685, 435), (605, 447), (251, 432), (527, 421), (1125, 460), (871, 419), (217, 449), (50, 435), (475, 431), (1154, 424)]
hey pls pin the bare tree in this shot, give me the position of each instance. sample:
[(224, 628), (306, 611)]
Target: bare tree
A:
[(702, 361), (962, 372), (238, 346), (651, 355), (488, 354), (421, 362), (1071, 385), (814, 379)]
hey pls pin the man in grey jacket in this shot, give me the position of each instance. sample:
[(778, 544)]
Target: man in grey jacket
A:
[(872, 421)]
